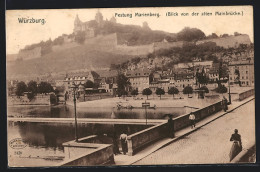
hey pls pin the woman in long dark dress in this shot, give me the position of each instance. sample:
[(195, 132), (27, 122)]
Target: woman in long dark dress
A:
[(236, 146), (170, 126)]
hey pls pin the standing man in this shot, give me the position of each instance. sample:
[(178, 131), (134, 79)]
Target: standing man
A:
[(224, 102), (115, 145), (192, 120), (170, 126), (123, 139), (236, 146)]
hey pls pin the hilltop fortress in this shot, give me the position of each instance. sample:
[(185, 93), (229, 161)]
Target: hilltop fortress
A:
[(90, 27), (107, 36)]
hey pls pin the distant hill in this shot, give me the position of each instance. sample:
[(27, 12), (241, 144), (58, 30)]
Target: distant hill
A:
[(11, 57), (80, 57)]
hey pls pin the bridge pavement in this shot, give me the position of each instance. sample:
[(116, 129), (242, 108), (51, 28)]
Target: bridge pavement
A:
[(210, 144)]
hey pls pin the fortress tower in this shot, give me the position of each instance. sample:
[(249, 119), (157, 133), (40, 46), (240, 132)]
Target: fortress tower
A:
[(77, 24), (99, 17), (113, 19)]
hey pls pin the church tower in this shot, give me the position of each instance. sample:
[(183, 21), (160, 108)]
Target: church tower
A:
[(113, 19), (77, 24), (99, 17)]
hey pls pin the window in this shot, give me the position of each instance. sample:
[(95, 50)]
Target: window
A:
[(246, 72)]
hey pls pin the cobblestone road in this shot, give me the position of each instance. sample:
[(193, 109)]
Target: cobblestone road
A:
[(209, 144)]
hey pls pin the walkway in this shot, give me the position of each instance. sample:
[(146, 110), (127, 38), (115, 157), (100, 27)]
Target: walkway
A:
[(89, 120), (216, 134)]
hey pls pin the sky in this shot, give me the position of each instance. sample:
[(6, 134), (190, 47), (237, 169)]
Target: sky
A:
[(61, 21)]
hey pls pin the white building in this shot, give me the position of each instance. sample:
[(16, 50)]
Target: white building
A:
[(139, 79)]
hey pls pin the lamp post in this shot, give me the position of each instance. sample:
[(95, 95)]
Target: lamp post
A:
[(74, 87), (229, 95)]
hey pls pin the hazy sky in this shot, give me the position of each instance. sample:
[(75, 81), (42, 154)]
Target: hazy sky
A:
[(18, 35)]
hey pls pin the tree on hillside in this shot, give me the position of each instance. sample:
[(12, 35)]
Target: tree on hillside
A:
[(45, 87), (160, 92), (80, 37), (173, 90), (135, 60), (221, 72), (147, 92), (237, 79), (46, 47), (56, 91), (121, 93), (134, 92), (224, 35), (190, 34), (20, 88), (58, 41), (212, 36), (201, 77), (32, 87), (89, 84), (122, 82), (237, 34), (187, 90)]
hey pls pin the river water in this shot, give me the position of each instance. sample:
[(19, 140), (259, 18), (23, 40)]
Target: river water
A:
[(46, 139), (63, 111), (43, 139)]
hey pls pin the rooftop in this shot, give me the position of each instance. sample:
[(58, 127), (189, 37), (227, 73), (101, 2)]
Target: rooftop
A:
[(138, 73)]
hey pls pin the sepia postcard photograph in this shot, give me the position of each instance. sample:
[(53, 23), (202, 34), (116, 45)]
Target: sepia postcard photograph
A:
[(130, 86)]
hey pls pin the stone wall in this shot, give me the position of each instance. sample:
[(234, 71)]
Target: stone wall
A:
[(29, 54), (104, 42), (167, 45), (246, 94), (139, 140), (134, 50), (99, 156), (82, 153), (64, 46), (37, 100), (227, 42)]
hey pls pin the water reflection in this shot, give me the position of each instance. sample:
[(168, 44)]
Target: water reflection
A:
[(53, 135), (62, 111)]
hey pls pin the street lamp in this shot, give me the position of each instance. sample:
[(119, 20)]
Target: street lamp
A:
[(74, 87), (229, 95)]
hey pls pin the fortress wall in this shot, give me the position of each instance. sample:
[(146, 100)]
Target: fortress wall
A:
[(145, 49), (134, 50), (30, 54), (23, 100), (104, 42), (231, 41), (68, 45), (167, 45)]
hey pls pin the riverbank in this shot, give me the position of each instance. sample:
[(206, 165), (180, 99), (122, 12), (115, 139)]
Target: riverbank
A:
[(165, 102)]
